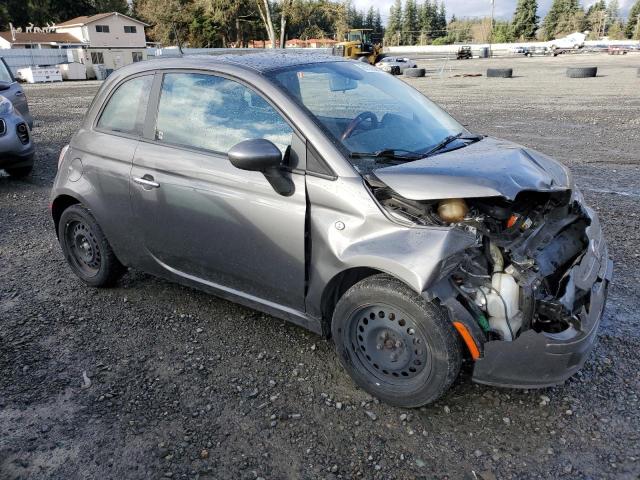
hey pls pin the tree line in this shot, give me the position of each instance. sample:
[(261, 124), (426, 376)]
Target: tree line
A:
[(21, 13), (224, 23), (210, 23), (412, 23)]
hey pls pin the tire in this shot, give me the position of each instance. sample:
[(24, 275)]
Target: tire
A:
[(582, 72), (395, 70), (19, 172), (86, 248), (415, 72), (499, 72), (374, 322)]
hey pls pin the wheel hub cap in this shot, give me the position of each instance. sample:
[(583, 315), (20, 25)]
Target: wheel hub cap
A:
[(84, 248), (388, 342)]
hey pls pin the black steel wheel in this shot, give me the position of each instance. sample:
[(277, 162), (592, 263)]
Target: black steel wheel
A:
[(395, 344), (86, 248), (388, 343)]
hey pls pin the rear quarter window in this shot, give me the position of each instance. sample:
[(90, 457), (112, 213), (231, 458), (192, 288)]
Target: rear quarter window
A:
[(126, 108)]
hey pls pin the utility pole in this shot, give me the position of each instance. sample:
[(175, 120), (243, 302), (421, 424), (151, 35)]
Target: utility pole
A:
[(493, 5)]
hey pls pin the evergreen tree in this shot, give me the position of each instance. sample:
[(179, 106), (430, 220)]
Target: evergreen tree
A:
[(377, 22), (394, 26), (613, 14), (594, 19), (441, 21), (410, 22), (427, 21), (370, 18), (633, 22), (525, 20), (565, 16)]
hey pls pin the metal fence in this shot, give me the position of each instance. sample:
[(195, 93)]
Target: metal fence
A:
[(24, 57)]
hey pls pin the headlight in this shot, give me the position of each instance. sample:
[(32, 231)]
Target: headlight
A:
[(6, 107)]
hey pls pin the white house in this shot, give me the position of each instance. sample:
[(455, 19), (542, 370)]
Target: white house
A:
[(111, 39)]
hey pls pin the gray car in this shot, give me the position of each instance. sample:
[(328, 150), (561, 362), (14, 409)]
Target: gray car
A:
[(16, 144), (325, 192)]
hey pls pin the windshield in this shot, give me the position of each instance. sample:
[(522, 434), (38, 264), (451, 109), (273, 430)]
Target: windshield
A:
[(364, 109)]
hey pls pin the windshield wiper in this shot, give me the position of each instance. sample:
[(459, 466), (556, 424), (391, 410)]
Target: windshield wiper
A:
[(389, 153), (448, 139)]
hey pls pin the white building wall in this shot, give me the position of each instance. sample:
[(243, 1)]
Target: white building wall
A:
[(116, 36)]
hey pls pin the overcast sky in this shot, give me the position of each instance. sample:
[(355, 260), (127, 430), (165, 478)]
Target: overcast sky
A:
[(478, 8)]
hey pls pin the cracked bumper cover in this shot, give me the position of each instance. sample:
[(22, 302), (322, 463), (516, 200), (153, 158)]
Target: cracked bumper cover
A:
[(537, 360)]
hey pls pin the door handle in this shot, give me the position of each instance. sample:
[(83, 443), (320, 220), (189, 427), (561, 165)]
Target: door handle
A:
[(147, 182), (19, 93)]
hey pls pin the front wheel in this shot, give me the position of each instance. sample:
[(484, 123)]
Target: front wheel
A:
[(394, 344), (86, 248)]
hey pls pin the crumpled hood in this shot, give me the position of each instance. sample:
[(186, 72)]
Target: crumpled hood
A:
[(487, 168)]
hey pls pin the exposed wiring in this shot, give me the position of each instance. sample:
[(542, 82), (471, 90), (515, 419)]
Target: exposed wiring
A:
[(473, 274)]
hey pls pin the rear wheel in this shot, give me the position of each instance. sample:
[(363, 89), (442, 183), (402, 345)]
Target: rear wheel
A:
[(395, 344), (86, 248)]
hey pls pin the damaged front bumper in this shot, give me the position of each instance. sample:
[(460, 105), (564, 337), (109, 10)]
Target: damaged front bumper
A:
[(540, 359)]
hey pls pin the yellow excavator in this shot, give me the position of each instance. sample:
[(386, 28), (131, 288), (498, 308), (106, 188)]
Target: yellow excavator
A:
[(360, 45)]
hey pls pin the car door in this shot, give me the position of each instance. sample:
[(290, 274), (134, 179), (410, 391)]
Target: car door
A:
[(205, 220), (12, 90), (103, 155)]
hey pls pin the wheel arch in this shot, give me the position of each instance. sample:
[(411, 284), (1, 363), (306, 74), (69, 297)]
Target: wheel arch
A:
[(339, 284), (59, 205)]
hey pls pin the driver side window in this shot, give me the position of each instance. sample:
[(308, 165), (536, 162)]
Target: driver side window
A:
[(214, 113)]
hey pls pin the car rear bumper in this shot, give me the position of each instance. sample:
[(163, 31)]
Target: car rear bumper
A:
[(536, 360)]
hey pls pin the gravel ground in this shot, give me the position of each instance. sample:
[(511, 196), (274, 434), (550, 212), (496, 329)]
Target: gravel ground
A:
[(152, 380)]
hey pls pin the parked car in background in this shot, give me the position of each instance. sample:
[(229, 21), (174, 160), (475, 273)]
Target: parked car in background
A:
[(617, 50), (464, 53), (16, 144), (321, 191), (537, 51), (396, 65), (574, 41)]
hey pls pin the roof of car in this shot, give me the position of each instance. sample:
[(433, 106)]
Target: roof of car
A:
[(259, 62)]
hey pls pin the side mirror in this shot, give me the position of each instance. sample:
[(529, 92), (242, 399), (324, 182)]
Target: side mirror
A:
[(261, 155), (257, 155), (5, 86)]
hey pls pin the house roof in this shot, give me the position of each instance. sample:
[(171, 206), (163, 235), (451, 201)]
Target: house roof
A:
[(79, 21), (21, 37)]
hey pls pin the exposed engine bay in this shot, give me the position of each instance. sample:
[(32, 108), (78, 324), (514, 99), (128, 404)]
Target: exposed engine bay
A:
[(517, 275)]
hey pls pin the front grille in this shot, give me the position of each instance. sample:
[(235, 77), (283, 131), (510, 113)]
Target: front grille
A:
[(23, 133), (3, 127)]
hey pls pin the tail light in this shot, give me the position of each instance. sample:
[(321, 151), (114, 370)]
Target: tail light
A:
[(63, 152)]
